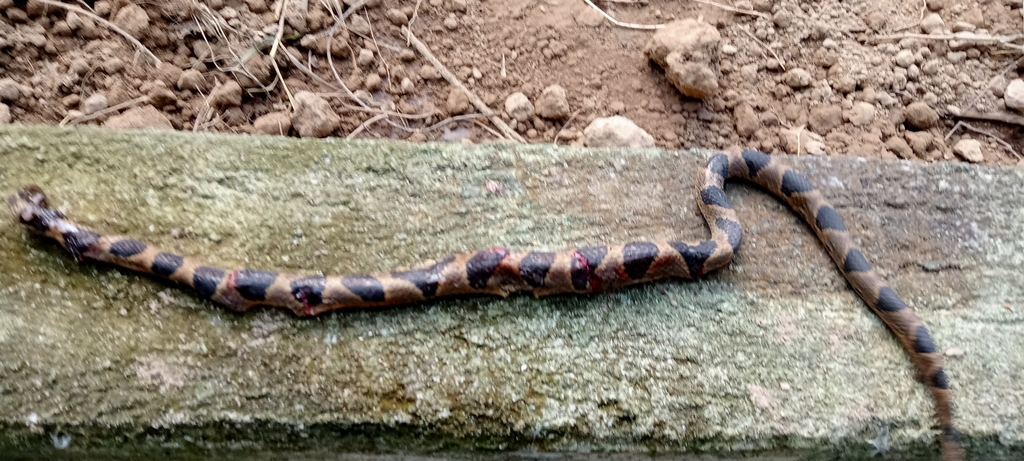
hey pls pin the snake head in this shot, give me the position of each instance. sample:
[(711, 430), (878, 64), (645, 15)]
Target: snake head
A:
[(30, 206)]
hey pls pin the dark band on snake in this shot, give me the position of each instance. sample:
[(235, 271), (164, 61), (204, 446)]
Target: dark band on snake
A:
[(497, 271)]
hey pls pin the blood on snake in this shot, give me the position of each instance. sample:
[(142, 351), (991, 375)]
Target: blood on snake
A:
[(497, 271)]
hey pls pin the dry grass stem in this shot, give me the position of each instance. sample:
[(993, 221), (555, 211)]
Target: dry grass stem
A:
[(733, 9), (104, 112), (782, 63), (138, 45), (624, 24), (995, 138), (507, 131), (364, 125)]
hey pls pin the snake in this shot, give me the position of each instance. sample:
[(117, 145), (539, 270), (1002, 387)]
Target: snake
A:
[(499, 271)]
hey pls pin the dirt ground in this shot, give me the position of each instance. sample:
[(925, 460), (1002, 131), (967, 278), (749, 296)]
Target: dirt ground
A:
[(872, 78)]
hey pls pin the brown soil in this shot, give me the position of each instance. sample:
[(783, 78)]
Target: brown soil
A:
[(73, 68)]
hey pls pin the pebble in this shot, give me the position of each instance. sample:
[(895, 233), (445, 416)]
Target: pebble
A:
[(747, 122), (823, 119), (274, 123), (969, 149), (616, 131), (459, 5), (191, 80), (132, 19), (227, 95), (359, 25), (5, 114), (920, 142), (797, 78), (365, 58), (140, 117), (94, 103), (932, 24), (899, 146), (919, 115), (429, 72), (1013, 95), (313, 116), (9, 90), (553, 104), (905, 58), (519, 107), (373, 82), (396, 16), (451, 23), (862, 113), (458, 102), (407, 85)]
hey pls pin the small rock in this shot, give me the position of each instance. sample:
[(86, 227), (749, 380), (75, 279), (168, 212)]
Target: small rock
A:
[(963, 26), (920, 142), (904, 58), (17, 14), (919, 115), (997, 86), (954, 352), (935, 5), (396, 16), (862, 113), (518, 106), (94, 103), (73, 20), (359, 25), (553, 104), (429, 72), (191, 80), (5, 114), (365, 58), (258, 6), (407, 55), (875, 20), (969, 149), (226, 95), (459, 5), (589, 17), (458, 102), (797, 78), (274, 123), (617, 107), (132, 18), (451, 23), (373, 82), (616, 131), (9, 90), (313, 116), (747, 122), (1013, 95), (407, 85), (823, 119), (139, 117), (689, 51), (932, 23), (899, 147), (162, 97), (799, 141)]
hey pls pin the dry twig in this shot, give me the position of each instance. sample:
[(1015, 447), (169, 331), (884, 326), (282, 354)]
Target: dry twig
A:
[(364, 125), (1004, 117), (995, 138), (138, 45), (476, 101)]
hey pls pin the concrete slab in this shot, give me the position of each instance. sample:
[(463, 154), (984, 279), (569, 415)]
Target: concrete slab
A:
[(774, 357)]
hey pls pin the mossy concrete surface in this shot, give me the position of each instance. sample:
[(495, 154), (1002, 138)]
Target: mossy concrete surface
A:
[(773, 357)]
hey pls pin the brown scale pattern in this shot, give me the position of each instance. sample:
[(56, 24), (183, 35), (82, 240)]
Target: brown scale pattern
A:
[(497, 271)]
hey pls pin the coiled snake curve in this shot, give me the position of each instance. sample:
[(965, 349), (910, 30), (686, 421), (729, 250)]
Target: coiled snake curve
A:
[(497, 271)]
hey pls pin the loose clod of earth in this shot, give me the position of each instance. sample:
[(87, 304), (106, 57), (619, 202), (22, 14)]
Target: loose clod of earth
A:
[(864, 82)]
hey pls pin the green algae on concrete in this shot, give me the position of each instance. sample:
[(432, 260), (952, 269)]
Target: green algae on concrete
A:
[(773, 356)]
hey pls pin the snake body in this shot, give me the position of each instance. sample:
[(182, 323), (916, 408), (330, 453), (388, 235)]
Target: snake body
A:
[(497, 271)]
